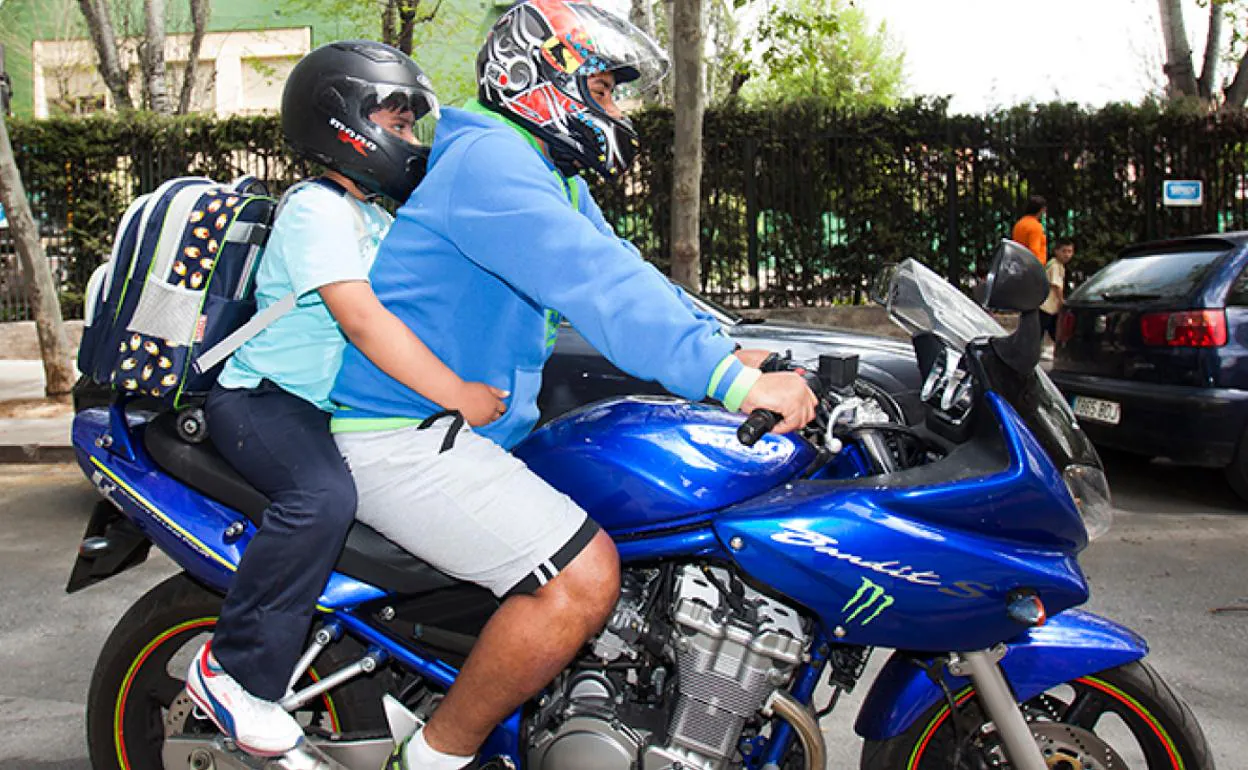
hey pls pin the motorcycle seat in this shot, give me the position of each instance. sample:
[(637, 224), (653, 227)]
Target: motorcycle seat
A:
[(367, 555)]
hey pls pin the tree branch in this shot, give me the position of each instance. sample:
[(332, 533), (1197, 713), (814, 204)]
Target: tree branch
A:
[(1178, 67), (1213, 47), (200, 9), (108, 62), (153, 57), (1237, 91)]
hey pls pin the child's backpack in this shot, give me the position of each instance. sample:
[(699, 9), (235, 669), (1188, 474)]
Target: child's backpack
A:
[(180, 280)]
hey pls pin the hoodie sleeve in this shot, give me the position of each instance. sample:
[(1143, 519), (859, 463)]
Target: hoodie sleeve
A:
[(590, 208), (510, 214)]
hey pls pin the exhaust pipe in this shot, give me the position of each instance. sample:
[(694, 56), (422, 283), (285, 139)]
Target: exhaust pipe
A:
[(804, 724)]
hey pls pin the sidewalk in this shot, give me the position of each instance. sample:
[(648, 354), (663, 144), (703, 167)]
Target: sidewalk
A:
[(32, 428)]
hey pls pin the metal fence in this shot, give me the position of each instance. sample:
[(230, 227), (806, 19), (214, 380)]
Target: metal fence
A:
[(801, 205)]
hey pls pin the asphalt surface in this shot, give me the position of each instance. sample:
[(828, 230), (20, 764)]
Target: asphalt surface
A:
[(1173, 568)]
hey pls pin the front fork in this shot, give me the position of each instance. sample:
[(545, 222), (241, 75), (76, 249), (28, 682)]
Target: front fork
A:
[(983, 669)]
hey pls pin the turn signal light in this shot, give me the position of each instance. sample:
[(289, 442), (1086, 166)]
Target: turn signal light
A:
[(1189, 328), (1025, 607)]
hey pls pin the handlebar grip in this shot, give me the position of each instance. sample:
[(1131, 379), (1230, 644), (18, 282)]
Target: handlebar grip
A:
[(758, 424)]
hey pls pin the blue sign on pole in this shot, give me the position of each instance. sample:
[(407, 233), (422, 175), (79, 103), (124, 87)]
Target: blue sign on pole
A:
[(1183, 192), (4, 219)]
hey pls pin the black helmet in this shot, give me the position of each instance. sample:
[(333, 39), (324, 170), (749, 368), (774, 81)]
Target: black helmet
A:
[(535, 68), (326, 105)]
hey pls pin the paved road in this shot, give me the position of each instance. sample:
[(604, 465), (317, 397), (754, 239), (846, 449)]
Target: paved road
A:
[(1176, 553)]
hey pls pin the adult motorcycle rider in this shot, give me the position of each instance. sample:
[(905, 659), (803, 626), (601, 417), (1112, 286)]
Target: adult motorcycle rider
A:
[(502, 240)]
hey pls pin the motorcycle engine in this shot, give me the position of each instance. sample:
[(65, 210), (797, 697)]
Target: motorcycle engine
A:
[(729, 648)]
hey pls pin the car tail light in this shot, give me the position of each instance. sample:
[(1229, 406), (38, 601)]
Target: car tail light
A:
[(1190, 328), (1065, 326)]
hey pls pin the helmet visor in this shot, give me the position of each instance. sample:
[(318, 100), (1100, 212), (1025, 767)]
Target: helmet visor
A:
[(388, 104), (617, 46)]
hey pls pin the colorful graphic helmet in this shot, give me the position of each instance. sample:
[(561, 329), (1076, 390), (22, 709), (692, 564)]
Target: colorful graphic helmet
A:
[(535, 68), (326, 105)]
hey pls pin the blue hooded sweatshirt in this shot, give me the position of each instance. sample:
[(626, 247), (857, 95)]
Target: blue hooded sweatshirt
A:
[(482, 262)]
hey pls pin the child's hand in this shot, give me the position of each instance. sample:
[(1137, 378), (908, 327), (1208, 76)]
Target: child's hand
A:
[(481, 404)]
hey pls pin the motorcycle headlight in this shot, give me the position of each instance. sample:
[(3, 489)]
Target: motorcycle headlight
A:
[(1090, 490)]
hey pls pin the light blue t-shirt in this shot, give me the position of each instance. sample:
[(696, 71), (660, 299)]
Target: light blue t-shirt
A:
[(318, 240)]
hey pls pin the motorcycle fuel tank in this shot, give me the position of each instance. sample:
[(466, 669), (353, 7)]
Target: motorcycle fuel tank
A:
[(641, 463)]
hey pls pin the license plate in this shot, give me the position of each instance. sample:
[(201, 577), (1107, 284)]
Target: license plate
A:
[(1098, 409)]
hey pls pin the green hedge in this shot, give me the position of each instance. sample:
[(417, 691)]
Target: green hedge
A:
[(801, 204)]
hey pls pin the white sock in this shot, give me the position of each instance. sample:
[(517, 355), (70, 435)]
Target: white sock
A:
[(421, 756)]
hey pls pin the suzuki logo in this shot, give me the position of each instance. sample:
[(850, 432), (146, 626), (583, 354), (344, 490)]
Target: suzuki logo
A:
[(1100, 324)]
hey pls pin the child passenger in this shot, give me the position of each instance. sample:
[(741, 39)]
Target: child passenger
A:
[(352, 107)]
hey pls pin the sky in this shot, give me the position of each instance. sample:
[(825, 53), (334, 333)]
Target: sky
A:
[(996, 53)]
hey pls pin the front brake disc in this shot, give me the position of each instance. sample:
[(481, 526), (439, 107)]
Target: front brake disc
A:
[(1066, 747)]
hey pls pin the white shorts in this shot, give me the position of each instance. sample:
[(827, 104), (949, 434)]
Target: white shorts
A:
[(473, 511)]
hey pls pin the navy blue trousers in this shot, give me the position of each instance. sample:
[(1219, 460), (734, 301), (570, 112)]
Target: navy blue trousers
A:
[(282, 445)]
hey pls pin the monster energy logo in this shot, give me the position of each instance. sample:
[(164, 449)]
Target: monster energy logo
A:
[(869, 595)]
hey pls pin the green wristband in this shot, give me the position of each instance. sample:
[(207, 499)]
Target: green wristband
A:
[(741, 388)]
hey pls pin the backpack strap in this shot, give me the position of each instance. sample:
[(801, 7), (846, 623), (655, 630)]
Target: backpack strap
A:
[(235, 340), (267, 317)]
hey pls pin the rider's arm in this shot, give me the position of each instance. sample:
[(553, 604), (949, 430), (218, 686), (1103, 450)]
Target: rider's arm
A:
[(508, 213), (589, 207)]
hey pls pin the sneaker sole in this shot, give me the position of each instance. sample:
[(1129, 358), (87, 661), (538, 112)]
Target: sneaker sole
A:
[(200, 701)]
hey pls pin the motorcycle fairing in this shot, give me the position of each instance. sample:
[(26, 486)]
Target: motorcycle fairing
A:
[(1073, 644), (917, 568), (197, 539)]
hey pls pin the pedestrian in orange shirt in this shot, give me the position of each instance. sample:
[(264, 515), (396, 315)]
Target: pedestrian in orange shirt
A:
[(1029, 230)]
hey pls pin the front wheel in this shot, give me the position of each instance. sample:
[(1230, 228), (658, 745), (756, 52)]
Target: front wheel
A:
[(1124, 717), (137, 689)]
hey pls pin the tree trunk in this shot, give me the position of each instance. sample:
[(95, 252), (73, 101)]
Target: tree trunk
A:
[(1178, 68), (156, 82), (200, 10), (58, 369), (663, 12), (1237, 91), (641, 14), (687, 101), (388, 34), (1213, 47), (104, 38), (408, 20)]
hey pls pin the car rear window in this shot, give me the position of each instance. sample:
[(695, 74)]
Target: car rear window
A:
[(1148, 276)]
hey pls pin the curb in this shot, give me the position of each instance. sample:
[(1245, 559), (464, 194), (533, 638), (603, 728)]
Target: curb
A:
[(35, 453)]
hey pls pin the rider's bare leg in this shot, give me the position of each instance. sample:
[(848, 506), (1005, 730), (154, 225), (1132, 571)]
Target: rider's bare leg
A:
[(525, 645)]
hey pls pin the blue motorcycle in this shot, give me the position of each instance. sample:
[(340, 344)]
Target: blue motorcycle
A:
[(756, 567)]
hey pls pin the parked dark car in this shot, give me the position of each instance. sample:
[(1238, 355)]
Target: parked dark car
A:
[(577, 374), (1153, 352)]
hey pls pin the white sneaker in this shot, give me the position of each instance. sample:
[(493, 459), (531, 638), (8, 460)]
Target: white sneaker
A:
[(259, 727)]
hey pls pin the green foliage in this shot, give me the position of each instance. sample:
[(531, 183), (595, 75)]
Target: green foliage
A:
[(826, 50), (445, 46), (81, 173), (802, 202)]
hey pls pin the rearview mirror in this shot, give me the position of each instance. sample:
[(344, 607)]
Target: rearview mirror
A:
[(1016, 279)]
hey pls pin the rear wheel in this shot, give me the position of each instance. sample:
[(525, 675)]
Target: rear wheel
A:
[(1124, 717), (137, 689)]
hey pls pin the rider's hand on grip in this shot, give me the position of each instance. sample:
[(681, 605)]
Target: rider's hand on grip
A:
[(758, 423), (784, 393)]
